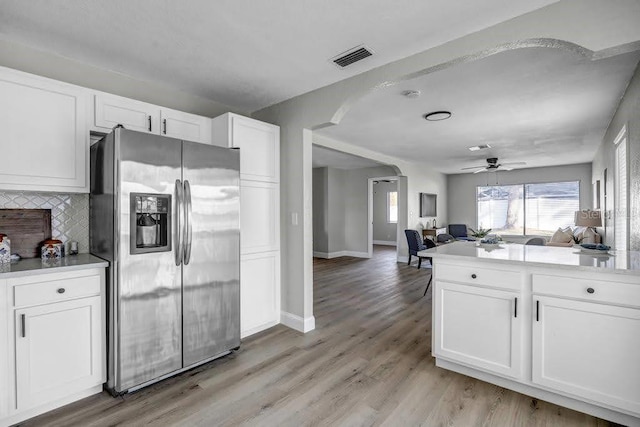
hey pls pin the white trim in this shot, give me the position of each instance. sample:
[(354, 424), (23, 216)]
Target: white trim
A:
[(298, 323), (370, 211), (385, 242), (403, 258), (260, 328), (330, 255), (621, 135)]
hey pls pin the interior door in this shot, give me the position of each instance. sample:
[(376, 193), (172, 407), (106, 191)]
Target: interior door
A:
[(211, 264), (149, 283)]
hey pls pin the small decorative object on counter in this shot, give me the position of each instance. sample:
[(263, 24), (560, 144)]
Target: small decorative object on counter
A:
[(52, 249), (73, 248), (5, 249), (434, 223)]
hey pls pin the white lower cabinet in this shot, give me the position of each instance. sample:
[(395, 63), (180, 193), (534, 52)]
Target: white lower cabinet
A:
[(53, 350), (479, 327), (588, 350), (259, 292), (571, 337), (58, 350)]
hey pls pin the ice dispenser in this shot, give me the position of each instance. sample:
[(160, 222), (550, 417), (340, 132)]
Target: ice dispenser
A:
[(150, 223)]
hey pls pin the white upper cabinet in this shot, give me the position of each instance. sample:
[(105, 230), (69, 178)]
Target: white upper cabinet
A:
[(259, 145), (190, 127), (111, 110), (44, 134)]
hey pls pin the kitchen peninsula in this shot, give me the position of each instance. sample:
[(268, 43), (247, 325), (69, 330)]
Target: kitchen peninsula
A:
[(552, 323)]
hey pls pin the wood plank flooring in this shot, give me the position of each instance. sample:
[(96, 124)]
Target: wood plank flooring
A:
[(367, 363)]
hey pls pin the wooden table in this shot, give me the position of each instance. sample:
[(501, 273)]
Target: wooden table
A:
[(432, 233)]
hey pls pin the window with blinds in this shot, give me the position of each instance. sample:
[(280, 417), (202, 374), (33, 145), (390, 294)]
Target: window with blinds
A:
[(528, 209), (621, 202)]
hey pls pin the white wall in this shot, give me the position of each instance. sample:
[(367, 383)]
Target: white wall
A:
[(328, 211), (383, 231), (628, 113), (31, 60), (462, 187)]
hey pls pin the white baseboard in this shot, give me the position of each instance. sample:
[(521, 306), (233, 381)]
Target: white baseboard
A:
[(298, 323), (329, 255), (249, 332), (403, 258), (357, 254), (385, 242)]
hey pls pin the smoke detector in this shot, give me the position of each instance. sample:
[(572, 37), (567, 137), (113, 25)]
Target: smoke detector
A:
[(411, 93)]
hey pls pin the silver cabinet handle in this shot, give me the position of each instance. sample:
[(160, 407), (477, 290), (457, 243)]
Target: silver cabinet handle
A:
[(149, 123), (164, 126), (177, 249), (188, 219), (23, 325)]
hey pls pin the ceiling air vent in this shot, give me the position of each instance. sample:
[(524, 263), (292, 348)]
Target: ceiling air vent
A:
[(352, 55)]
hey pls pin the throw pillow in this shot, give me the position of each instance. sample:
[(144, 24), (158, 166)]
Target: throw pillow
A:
[(560, 236)]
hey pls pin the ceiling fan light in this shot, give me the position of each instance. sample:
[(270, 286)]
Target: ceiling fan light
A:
[(437, 116)]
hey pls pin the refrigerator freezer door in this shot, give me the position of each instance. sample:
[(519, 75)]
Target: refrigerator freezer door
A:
[(149, 303), (211, 267)]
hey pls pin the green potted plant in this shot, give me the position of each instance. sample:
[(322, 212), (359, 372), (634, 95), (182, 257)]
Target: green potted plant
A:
[(480, 232)]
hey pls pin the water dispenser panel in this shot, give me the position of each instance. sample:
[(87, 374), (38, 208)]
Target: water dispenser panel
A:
[(150, 223)]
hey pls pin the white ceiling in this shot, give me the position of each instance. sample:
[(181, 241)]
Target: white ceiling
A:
[(542, 106), (244, 53)]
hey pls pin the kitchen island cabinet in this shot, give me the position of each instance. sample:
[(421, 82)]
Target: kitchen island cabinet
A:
[(570, 337), (53, 349)]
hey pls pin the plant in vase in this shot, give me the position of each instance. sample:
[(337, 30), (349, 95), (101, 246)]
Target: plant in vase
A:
[(480, 232)]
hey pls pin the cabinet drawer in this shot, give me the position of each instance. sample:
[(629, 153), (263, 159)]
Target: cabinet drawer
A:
[(472, 275), (55, 290), (587, 289)]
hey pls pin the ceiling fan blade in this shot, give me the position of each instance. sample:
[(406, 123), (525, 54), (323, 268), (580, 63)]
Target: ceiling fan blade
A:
[(513, 163), (481, 170), (505, 168), (474, 167)]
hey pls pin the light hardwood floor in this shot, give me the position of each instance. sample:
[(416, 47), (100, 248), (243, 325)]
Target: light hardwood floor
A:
[(367, 363)]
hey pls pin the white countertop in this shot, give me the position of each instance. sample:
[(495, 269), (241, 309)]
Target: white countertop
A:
[(32, 266), (621, 262)]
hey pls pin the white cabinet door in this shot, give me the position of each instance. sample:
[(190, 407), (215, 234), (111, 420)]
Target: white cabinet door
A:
[(259, 145), (45, 140), (111, 111), (259, 217), (588, 350), (479, 327), (190, 127), (58, 350), (259, 292)]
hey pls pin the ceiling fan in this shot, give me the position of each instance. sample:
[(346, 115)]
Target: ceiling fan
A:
[(493, 165)]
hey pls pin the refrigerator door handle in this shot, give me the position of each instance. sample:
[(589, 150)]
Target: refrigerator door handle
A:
[(178, 224), (188, 226)]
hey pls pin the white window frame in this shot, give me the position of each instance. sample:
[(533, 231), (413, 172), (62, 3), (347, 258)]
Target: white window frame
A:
[(389, 220), (621, 191)]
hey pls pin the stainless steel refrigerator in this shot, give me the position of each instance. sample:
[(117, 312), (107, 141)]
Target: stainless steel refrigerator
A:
[(165, 214)]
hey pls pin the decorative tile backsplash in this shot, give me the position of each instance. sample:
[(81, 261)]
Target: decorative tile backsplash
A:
[(69, 213)]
